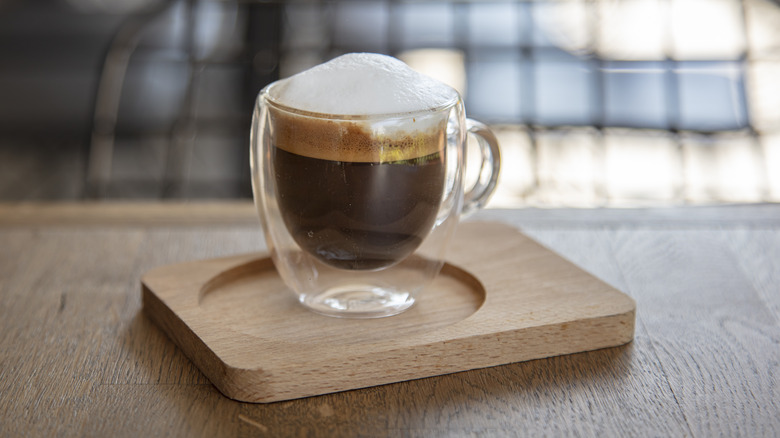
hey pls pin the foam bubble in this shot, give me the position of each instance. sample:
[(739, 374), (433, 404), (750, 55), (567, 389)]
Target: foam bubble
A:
[(362, 84)]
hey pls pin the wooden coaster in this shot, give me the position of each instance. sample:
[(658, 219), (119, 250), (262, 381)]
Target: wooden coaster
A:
[(502, 298)]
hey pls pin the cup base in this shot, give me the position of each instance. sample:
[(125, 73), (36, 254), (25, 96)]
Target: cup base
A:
[(359, 301)]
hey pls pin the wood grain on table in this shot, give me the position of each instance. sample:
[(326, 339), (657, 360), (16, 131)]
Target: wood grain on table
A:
[(77, 358)]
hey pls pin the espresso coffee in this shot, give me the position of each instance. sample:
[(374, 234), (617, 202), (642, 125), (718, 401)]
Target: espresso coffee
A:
[(363, 203), (354, 215)]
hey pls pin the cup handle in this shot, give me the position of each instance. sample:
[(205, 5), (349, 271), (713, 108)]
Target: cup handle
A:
[(478, 195)]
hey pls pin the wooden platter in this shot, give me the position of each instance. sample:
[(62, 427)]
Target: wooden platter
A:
[(501, 298)]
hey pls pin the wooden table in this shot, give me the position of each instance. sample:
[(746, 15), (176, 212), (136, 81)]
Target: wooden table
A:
[(77, 358)]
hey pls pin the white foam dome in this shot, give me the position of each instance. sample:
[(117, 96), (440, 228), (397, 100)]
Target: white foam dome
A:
[(362, 84)]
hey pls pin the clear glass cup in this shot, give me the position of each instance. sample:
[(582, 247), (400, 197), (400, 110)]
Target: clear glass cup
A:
[(358, 210)]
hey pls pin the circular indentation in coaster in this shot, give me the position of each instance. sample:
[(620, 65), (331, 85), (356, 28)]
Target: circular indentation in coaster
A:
[(253, 300)]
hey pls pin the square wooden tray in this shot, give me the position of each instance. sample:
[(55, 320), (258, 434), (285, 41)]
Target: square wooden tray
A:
[(501, 298)]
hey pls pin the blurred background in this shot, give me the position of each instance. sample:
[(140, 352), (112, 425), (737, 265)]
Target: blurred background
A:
[(596, 103)]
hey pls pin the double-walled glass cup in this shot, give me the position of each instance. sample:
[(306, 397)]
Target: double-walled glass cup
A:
[(358, 210)]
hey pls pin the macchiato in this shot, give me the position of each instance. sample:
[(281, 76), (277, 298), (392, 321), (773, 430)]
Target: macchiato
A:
[(358, 171), (353, 195)]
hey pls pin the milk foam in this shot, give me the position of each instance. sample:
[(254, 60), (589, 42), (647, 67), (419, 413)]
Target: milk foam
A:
[(362, 84)]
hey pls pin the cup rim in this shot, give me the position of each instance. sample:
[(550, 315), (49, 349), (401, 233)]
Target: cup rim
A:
[(266, 95)]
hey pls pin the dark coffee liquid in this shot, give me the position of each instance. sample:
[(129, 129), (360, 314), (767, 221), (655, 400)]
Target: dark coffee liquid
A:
[(356, 215)]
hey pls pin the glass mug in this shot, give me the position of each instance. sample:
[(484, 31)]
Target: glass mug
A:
[(358, 210)]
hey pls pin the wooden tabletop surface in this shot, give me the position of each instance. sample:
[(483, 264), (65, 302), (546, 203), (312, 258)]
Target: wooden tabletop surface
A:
[(78, 358)]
